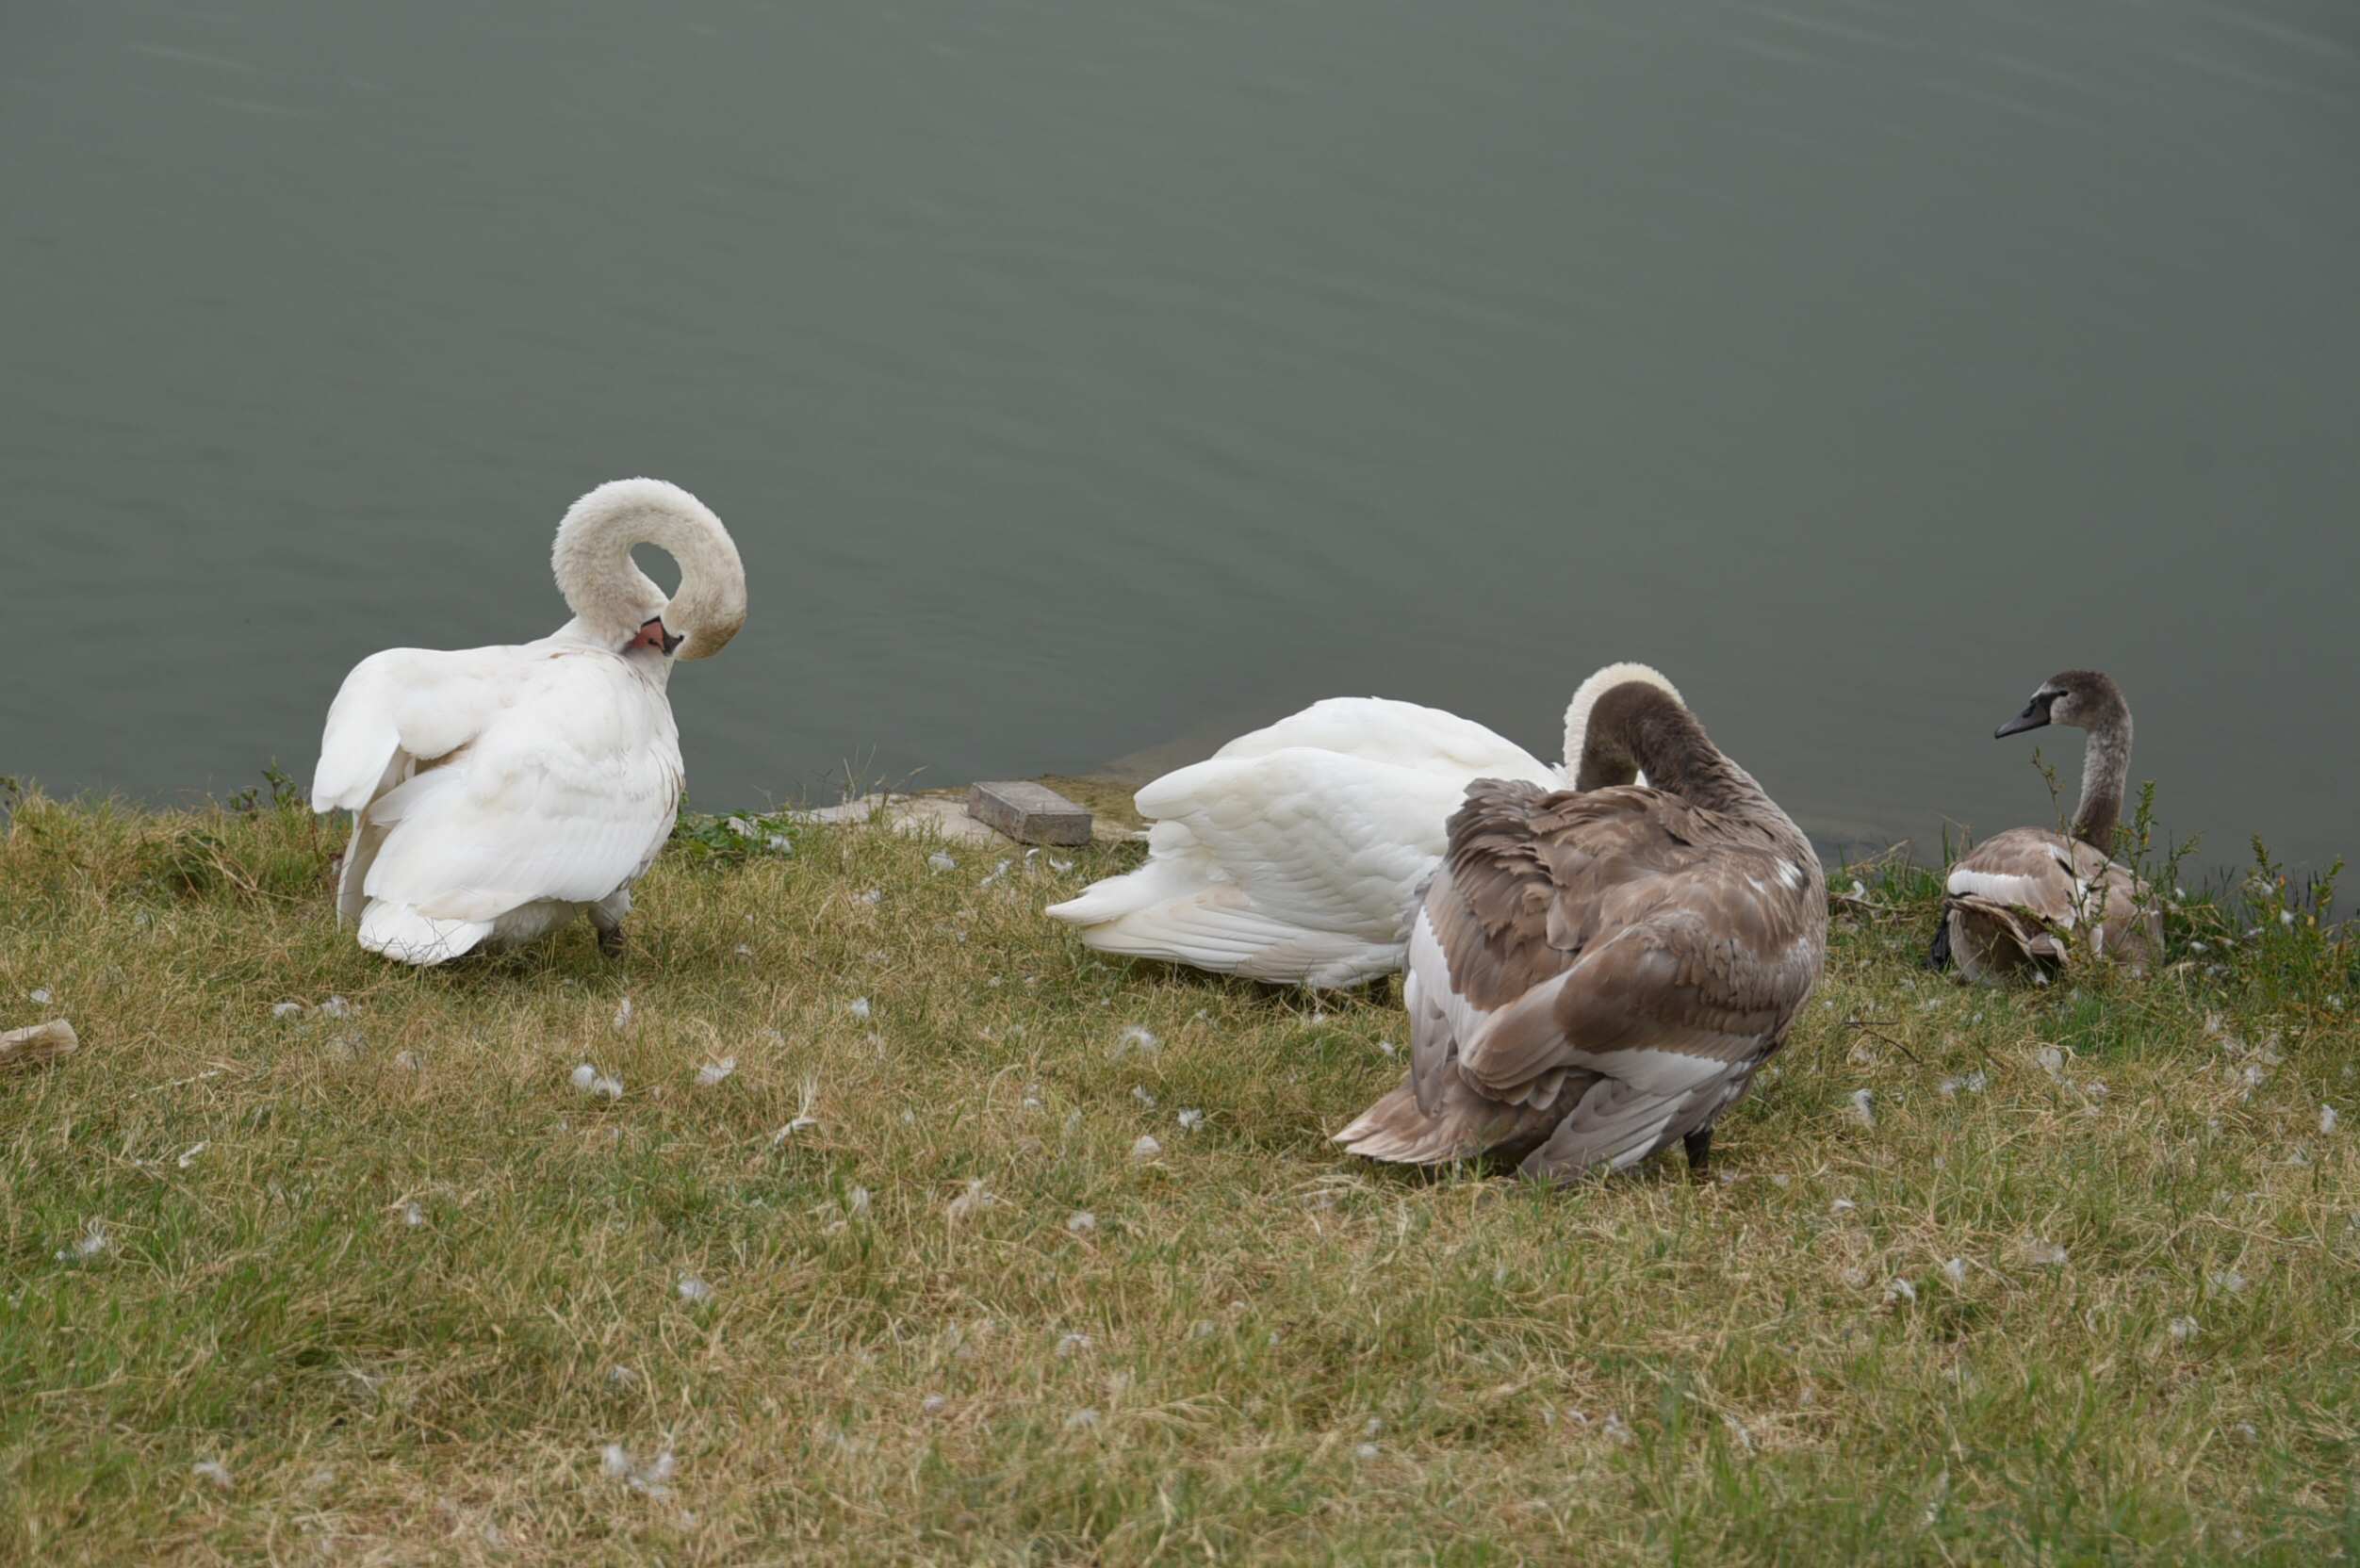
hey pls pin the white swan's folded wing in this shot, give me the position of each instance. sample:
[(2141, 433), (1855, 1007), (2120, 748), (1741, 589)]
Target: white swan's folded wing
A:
[(569, 794), (1404, 734), (422, 701), (1315, 838)]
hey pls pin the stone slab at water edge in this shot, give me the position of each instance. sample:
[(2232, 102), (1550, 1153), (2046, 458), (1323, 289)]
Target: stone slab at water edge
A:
[(1031, 813)]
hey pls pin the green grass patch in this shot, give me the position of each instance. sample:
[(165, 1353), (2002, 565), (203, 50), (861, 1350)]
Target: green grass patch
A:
[(2074, 1282)]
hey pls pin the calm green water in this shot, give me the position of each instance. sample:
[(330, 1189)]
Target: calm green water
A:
[(1084, 380)]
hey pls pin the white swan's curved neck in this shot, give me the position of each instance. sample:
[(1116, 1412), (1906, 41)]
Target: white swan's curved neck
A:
[(615, 602)]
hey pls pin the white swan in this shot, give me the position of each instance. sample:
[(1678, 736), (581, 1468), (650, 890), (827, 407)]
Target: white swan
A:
[(499, 793), (1292, 854)]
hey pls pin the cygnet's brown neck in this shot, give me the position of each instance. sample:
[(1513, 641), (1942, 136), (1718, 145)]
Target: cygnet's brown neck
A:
[(2105, 770), (1637, 728)]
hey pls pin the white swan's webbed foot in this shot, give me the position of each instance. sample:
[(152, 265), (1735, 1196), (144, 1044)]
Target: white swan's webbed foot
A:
[(611, 940)]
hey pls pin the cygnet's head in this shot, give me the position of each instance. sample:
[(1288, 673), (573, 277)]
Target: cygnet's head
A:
[(1585, 700), (2083, 698), (1601, 726)]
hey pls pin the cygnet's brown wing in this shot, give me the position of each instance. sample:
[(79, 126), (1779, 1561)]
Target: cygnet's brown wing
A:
[(1612, 966), (1436, 1116), (2030, 894)]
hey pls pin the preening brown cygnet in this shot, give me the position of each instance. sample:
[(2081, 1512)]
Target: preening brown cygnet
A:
[(2032, 897), (1595, 972)]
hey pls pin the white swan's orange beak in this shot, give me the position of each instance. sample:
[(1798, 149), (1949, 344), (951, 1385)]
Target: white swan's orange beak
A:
[(652, 635)]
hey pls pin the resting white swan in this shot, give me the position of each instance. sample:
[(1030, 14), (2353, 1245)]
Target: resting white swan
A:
[(1291, 855), (499, 793)]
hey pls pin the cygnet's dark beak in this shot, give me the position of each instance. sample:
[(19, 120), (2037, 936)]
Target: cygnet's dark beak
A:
[(652, 635), (2036, 713)]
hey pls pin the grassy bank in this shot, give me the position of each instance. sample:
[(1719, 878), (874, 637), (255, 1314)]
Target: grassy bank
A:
[(373, 1281)]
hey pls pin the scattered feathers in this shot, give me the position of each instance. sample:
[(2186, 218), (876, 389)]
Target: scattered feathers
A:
[(91, 1242), (978, 1196), (649, 1478), (804, 1120)]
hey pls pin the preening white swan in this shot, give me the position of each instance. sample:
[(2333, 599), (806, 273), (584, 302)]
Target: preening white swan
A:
[(499, 793), (2030, 897), (1291, 855)]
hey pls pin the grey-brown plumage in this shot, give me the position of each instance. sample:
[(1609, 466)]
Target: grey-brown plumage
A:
[(1594, 975), (2032, 897)]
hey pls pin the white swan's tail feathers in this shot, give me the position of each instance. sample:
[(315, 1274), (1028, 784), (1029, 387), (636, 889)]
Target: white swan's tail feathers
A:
[(399, 931), (1220, 929)]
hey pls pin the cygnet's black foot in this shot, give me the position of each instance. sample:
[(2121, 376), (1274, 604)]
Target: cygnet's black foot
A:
[(611, 942), (1938, 955), (1699, 1146)]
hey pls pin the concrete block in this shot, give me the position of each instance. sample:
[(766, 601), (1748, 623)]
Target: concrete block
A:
[(1031, 813)]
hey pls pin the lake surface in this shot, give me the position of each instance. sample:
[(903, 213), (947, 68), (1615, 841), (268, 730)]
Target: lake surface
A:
[(1088, 381)]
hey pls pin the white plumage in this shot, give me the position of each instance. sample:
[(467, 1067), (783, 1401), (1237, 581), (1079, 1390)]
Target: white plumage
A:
[(499, 793), (1292, 854)]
